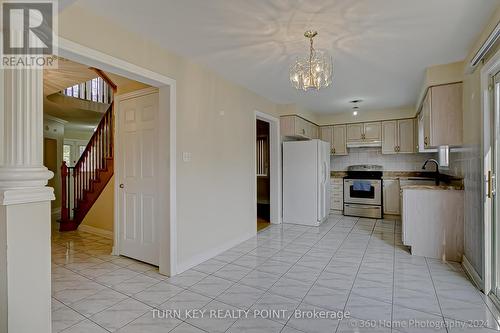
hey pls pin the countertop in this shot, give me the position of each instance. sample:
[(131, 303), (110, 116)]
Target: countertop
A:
[(450, 187), (449, 182)]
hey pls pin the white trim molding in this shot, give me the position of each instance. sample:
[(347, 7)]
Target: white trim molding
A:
[(96, 231), (471, 272)]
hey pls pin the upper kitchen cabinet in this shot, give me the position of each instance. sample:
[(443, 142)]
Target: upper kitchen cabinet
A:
[(297, 127), (355, 132), (441, 116), (339, 140), (326, 134), (364, 133), (372, 131), (398, 136), (336, 136)]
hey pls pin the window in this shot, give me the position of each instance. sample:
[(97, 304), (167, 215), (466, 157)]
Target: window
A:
[(96, 90), (81, 149), (67, 154)]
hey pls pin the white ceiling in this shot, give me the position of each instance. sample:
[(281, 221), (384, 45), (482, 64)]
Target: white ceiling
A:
[(380, 47)]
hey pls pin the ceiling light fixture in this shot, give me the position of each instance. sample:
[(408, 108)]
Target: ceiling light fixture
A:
[(313, 72), (355, 113)]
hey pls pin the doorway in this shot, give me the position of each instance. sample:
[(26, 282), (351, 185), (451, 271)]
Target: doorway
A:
[(267, 170), (490, 95), (263, 175), (167, 214)]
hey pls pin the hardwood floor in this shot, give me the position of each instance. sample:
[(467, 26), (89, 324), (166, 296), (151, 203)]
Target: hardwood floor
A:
[(261, 224)]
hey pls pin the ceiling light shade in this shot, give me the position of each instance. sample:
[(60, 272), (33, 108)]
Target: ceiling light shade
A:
[(314, 71)]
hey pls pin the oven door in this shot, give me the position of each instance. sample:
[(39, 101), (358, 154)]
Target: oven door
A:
[(363, 191)]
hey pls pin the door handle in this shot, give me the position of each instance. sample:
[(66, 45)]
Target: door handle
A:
[(122, 186), (491, 184)]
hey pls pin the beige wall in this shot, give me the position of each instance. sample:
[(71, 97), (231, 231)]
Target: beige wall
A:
[(209, 214), (78, 134), (467, 161), (101, 215)]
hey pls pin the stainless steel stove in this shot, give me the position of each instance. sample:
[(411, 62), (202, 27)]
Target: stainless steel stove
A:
[(363, 191)]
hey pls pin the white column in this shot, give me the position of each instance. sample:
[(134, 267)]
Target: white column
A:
[(25, 286)]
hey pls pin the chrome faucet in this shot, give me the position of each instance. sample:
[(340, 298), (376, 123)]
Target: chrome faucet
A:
[(436, 173)]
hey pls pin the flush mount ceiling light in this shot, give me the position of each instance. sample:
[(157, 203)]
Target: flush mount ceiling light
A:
[(314, 71)]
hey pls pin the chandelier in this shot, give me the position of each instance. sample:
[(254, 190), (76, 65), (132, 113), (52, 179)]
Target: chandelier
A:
[(313, 72)]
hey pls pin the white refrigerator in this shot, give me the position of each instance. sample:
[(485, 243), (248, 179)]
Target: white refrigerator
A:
[(306, 188)]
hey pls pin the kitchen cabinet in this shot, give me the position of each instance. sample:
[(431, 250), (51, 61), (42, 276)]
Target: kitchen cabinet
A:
[(391, 196), (433, 222), (297, 127), (421, 148), (398, 136), (336, 194), (372, 131), (339, 140), (336, 136), (326, 134), (364, 132), (442, 118), (354, 132)]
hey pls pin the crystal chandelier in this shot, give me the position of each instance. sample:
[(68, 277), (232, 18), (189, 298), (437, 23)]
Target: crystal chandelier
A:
[(313, 72)]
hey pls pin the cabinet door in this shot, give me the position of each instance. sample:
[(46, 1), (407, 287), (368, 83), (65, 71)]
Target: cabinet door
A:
[(389, 137), (426, 119), (373, 131), (354, 132), (446, 115), (301, 127), (406, 136), (287, 126), (314, 131), (326, 134), (391, 196), (339, 140)]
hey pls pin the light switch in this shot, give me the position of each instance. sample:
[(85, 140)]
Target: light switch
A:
[(186, 156)]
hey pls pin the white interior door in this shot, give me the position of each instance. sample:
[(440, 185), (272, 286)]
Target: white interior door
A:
[(138, 189)]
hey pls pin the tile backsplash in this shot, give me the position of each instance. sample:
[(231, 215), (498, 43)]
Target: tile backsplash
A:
[(396, 162)]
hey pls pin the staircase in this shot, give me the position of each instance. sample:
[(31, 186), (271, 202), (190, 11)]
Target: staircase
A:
[(83, 183)]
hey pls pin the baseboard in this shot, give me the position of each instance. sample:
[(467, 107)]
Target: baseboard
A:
[(471, 272), (96, 231), (198, 259)]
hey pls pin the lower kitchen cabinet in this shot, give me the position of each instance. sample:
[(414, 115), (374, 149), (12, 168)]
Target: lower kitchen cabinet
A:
[(433, 222), (337, 194), (391, 198)]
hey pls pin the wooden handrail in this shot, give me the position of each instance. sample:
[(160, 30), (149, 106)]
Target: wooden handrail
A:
[(80, 179), (105, 77)]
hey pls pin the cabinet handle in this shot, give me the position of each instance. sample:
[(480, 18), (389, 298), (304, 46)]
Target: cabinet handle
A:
[(395, 148), (425, 141), (303, 131)]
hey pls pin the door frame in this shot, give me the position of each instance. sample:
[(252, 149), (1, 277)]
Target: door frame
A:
[(488, 70), (275, 212), (167, 118)]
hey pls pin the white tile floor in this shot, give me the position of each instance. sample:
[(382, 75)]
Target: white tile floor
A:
[(346, 264)]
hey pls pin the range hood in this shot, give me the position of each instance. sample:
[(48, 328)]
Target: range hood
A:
[(361, 144)]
